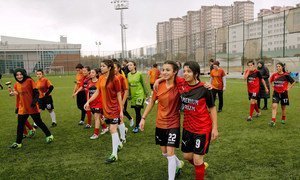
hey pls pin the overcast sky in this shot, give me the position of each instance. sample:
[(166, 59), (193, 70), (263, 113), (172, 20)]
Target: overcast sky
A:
[(87, 21)]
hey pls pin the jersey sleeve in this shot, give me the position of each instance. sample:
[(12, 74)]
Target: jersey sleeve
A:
[(289, 78), (272, 78), (209, 99), (49, 83)]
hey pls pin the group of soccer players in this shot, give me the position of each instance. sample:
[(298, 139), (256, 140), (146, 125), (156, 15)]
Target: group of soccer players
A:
[(104, 92)]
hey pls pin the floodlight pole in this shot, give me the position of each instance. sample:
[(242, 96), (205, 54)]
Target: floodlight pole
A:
[(98, 43), (121, 5)]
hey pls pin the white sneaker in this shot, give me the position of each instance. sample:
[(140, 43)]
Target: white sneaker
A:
[(131, 123), (103, 131), (81, 123), (94, 136)]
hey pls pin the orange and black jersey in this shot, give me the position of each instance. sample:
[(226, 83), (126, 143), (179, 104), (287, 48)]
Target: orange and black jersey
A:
[(253, 81), (79, 77), (281, 81), (25, 97), (44, 86)]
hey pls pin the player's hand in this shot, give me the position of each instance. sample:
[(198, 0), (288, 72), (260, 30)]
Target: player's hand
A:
[(142, 124), (155, 85), (224, 88), (208, 85), (121, 115), (87, 106), (214, 134), (267, 91)]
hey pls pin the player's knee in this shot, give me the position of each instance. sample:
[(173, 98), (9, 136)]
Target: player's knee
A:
[(188, 156)]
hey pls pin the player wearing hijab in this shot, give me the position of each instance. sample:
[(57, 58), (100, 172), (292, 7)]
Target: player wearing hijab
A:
[(27, 94)]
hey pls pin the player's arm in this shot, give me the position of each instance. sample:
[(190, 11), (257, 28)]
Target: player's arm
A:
[(35, 97), (156, 83), (119, 96), (50, 89), (246, 74), (126, 92), (213, 114), (94, 96), (78, 90), (292, 81), (265, 85), (146, 112)]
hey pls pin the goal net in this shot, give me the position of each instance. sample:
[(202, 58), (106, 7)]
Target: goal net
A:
[(55, 70)]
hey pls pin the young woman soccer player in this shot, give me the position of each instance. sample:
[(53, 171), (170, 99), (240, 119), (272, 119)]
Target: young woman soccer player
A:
[(137, 91), (280, 81), (45, 99), (83, 87), (167, 133), (96, 105), (218, 82), (124, 92), (80, 97), (27, 94), (110, 88), (253, 77)]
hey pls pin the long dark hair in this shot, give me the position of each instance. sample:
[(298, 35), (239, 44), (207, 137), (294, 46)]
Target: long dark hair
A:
[(111, 75), (119, 66), (282, 65), (175, 68), (194, 66)]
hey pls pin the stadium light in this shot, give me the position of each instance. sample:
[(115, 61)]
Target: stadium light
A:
[(121, 5)]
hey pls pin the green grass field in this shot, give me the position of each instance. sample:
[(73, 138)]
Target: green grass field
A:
[(244, 150)]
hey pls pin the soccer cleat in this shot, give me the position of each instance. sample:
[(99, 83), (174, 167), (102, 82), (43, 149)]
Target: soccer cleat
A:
[(179, 169), (120, 147), (24, 136), (131, 124), (31, 133), (105, 130), (257, 114), (123, 141), (111, 159), (264, 108), (135, 130), (249, 118), (15, 146), (35, 126), (220, 110), (54, 124), (271, 123), (87, 126), (94, 136), (81, 123), (206, 165), (49, 139), (282, 121)]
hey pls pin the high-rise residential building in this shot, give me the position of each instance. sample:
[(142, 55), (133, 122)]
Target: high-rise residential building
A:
[(243, 11), (162, 37), (176, 31), (273, 10)]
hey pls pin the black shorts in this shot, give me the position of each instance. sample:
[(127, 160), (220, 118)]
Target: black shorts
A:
[(97, 110), (195, 143), (283, 98), (151, 86), (46, 103), (253, 95), (112, 121), (167, 137)]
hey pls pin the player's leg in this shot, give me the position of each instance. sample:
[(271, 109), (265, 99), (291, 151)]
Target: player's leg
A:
[(199, 166), (116, 143), (220, 95), (37, 119), (283, 116), (20, 128), (97, 125), (122, 130), (138, 117)]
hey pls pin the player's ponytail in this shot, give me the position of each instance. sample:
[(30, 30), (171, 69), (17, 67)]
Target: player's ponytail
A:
[(111, 75)]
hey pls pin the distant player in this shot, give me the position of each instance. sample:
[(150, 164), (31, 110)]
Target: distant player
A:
[(96, 105), (218, 82), (45, 101), (280, 81), (110, 88), (27, 94), (153, 75), (137, 91), (253, 77), (82, 87), (167, 133)]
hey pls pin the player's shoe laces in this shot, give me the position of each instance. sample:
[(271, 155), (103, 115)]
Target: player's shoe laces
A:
[(249, 118), (206, 165), (135, 130), (81, 123), (49, 139), (87, 126), (111, 159), (94, 136), (282, 121), (179, 169), (257, 114), (105, 130), (15, 146), (271, 123), (31, 133), (54, 124), (131, 124)]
